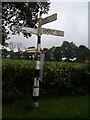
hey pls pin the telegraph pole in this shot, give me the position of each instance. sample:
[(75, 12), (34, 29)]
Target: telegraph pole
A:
[(37, 67)]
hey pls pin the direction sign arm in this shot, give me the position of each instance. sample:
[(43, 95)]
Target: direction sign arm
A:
[(25, 29), (49, 19), (52, 32)]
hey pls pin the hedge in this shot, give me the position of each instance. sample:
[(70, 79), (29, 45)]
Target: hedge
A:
[(66, 78), (59, 78)]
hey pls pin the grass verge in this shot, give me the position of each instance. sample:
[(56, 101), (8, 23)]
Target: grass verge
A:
[(62, 107)]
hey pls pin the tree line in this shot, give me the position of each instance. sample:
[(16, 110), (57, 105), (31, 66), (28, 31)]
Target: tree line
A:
[(68, 51)]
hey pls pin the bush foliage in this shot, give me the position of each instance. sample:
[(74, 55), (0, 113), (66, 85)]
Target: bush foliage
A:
[(59, 78)]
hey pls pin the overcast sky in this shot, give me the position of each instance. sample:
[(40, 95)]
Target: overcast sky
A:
[(72, 18)]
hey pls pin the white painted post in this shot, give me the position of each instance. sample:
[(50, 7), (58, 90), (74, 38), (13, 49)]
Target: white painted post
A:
[(37, 68)]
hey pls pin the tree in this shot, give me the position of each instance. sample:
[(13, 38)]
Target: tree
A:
[(45, 50), (82, 53), (12, 46), (68, 50), (57, 54), (22, 13), (49, 54), (4, 53), (19, 45)]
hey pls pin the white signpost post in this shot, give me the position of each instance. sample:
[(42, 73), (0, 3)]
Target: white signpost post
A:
[(39, 31)]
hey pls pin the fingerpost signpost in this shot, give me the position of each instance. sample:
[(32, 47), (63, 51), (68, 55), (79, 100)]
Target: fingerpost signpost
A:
[(39, 31)]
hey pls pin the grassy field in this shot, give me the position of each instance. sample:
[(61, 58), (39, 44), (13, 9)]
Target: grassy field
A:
[(62, 107)]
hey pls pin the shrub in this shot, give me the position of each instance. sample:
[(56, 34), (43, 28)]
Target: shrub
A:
[(65, 78), (59, 78), (17, 79)]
